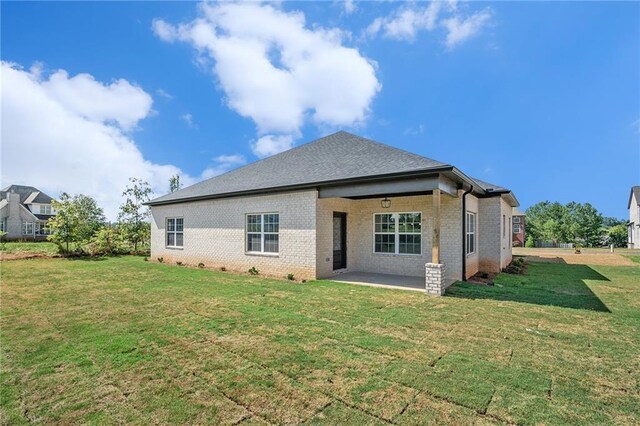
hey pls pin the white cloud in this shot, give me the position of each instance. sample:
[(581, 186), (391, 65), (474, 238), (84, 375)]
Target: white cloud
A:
[(461, 29), (223, 164), (349, 6), (163, 93), (188, 118), (277, 71), (405, 22), (71, 134), (270, 144)]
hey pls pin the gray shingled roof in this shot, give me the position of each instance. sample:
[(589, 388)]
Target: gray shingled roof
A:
[(28, 194), (335, 157), (635, 190), (489, 186)]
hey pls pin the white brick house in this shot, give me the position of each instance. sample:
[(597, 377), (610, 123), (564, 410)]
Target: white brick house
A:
[(339, 204)]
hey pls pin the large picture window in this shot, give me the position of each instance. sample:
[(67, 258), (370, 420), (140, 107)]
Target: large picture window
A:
[(471, 233), (175, 232), (263, 233), (27, 228), (397, 233)]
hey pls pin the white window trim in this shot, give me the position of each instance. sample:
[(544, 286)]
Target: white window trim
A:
[(174, 232), (474, 233), (516, 219), (514, 228), (25, 225), (262, 234), (396, 235)]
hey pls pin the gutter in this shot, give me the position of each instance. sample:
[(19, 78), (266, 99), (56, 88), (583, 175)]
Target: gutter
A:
[(464, 232)]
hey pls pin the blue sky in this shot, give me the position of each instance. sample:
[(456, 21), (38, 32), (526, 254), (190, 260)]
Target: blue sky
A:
[(540, 97)]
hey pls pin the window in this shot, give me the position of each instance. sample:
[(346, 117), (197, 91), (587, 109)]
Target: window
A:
[(397, 233), (175, 232), (471, 233), (3, 225), (263, 233), (45, 208), (516, 228), (504, 226), (516, 219), (42, 228), (27, 228)]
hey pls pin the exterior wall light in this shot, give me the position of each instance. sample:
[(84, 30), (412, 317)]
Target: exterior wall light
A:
[(386, 203)]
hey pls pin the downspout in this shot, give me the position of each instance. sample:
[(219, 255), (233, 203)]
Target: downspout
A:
[(464, 232)]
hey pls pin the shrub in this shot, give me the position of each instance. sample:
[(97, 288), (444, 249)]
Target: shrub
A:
[(253, 271), (200, 265), (518, 266), (290, 277), (530, 243), (304, 281), (106, 241), (146, 259), (222, 268), (161, 259), (179, 263)]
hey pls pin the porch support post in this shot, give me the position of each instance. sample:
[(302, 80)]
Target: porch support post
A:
[(435, 245), (435, 271)]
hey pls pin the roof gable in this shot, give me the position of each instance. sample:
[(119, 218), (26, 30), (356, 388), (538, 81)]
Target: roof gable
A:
[(28, 194), (635, 192), (335, 157)]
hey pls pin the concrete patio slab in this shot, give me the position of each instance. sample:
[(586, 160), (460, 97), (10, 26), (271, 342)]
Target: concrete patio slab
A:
[(401, 282)]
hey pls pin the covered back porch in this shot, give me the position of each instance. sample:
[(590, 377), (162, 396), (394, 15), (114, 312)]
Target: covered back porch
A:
[(391, 234)]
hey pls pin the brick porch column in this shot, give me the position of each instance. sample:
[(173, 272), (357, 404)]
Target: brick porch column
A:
[(434, 279)]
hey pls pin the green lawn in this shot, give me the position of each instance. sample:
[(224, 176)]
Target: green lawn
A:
[(120, 340), (45, 248)]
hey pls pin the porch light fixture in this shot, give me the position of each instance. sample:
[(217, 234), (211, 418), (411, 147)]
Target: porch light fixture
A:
[(386, 203)]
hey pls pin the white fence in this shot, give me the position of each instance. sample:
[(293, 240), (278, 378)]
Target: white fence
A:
[(551, 244)]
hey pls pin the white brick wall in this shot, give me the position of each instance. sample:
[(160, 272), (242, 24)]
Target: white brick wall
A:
[(214, 233)]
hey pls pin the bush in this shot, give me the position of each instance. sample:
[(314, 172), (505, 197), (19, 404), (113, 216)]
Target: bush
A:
[(161, 259), (518, 266), (530, 243), (200, 265), (179, 263), (106, 241), (290, 277), (222, 268), (253, 271)]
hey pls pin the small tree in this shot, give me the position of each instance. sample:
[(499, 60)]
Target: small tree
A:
[(618, 235), (174, 183), (529, 242), (77, 219), (134, 215)]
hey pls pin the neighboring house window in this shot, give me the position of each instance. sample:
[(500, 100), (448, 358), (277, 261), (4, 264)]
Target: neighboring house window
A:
[(263, 233), (42, 228), (516, 219), (45, 209), (471, 233), (397, 233), (516, 228), (3, 225), (27, 228), (175, 232)]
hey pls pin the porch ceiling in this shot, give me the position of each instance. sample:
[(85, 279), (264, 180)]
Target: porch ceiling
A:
[(417, 185)]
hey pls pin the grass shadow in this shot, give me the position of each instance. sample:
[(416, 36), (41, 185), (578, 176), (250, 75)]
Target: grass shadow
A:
[(550, 284)]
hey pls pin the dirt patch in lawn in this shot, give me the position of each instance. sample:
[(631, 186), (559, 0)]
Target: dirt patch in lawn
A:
[(22, 256), (569, 256)]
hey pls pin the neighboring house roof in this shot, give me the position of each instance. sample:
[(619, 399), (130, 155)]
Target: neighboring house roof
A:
[(635, 190), (28, 194), (338, 157)]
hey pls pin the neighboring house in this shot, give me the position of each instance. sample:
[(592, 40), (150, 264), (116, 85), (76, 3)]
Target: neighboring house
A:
[(518, 228), (634, 218), (339, 204), (24, 212)]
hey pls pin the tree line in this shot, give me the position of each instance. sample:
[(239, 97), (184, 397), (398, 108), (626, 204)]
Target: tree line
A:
[(580, 224), (80, 226)]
